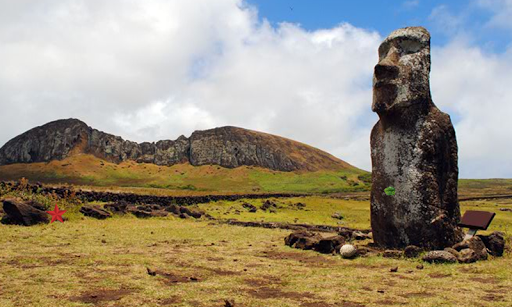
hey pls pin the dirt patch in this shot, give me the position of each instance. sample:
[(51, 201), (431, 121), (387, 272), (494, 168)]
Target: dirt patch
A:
[(388, 302), (317, 304), (220, 272), (315, 260), (170, 301), (272, 293), (439, 275), (416, 294), (351, 304), (485, 280), (470, 270), (265, 281), (215, 259), (171, 278), (493, 298), (101, 295)]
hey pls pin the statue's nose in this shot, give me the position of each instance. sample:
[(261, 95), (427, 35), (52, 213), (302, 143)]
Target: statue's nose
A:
[(386, 70)]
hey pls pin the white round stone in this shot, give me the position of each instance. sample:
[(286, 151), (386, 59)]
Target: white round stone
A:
[(348, 251)]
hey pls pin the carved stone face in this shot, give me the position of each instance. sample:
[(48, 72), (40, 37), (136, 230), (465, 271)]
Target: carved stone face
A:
[(401, 78)]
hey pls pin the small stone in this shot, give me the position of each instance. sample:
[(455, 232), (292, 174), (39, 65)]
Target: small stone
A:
[(419, 267), (394, 270), (348, 251)]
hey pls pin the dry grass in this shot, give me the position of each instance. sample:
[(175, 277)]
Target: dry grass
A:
[(85, 262)]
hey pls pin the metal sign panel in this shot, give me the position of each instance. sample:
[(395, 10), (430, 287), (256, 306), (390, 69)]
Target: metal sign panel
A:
[(477, 219)]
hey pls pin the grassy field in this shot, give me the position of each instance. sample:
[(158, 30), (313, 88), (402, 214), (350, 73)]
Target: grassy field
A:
[(85, 262), (184, 179)]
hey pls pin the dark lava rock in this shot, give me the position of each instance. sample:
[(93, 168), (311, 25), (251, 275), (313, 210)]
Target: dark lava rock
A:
[(337, 216), (439, 257), (120, 207), (249, 207), (453, 252), (174, 209), (495, 243), (268, 204), (359, 236), (467, 255), (330, 244), (95, 212), (390, 253), (20, 213), (476, 244), (193, 213), (414, 151), (412, 251), (302, 240)]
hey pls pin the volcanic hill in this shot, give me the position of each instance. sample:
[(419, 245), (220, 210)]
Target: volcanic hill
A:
[(228, 147)]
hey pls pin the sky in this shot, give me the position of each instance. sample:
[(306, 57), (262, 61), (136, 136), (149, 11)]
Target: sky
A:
[(158, 69)]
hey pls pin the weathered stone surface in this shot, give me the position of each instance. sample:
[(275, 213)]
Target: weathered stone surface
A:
[(20, 213), (474, 243), (226, 146), (95, 211), (413, 149), (495, 243), (439, 257), (467, 255)]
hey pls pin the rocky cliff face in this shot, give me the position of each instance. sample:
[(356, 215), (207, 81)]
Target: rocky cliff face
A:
[(226, 146)]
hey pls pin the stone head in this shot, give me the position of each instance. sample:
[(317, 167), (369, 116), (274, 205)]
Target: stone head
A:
[(401, 78)]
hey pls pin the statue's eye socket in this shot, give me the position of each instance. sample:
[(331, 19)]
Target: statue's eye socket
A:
[(383, 50), (409, 46)]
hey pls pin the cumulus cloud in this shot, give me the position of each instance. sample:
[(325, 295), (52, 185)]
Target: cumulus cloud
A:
[(157, 69), (475, 88)]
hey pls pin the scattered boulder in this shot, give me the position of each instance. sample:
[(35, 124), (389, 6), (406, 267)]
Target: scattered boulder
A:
[(267, 205), (467, 255), (20, 213), (329, 245), (439, 257), (346, 233), (495, 243), (506, 209), (119, 207), (95, 212), (392, 253), (299, 206), (337, 215), (193, 213), (412, 251), (348, 251), (302, 240), (174, 209), (359, 235), (476, 244), (251, 208)]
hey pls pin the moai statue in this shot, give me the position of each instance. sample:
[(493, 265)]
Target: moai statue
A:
[(413, 148)]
